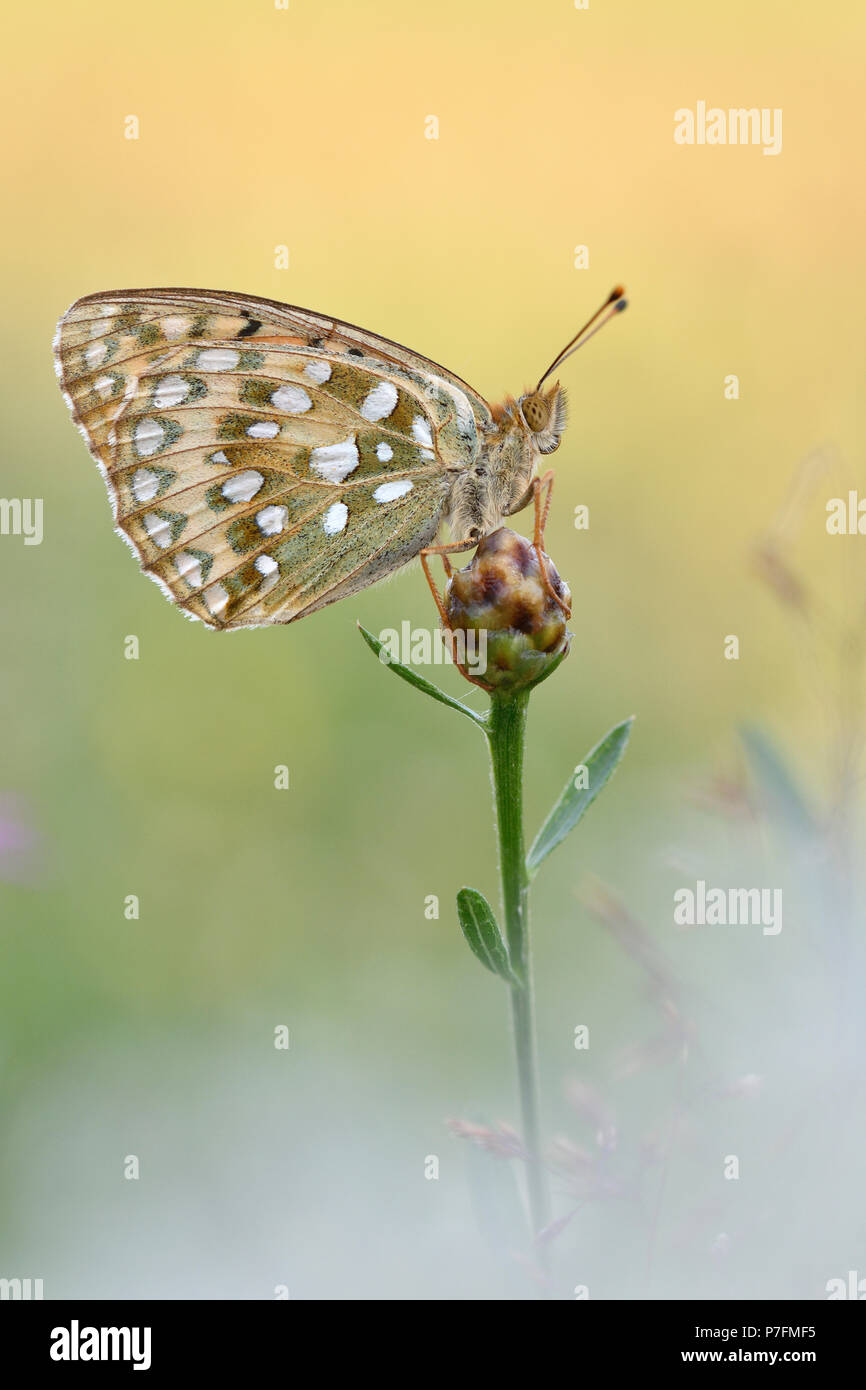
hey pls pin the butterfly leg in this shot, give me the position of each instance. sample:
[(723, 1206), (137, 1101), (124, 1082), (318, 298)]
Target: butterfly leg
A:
[(443, 551), (542, 511), (533, 494)]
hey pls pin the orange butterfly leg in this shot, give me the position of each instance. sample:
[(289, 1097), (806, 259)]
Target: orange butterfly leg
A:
[(542, 511), (443, 551)]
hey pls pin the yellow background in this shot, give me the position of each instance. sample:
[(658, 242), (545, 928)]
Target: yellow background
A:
[(306, 127)]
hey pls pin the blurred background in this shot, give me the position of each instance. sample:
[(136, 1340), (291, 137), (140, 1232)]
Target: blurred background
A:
[(258, 1168)]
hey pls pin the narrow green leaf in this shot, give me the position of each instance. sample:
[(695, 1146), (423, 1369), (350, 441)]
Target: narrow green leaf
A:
[(777, 782), (412, 678), (576, 798), (482, 932)]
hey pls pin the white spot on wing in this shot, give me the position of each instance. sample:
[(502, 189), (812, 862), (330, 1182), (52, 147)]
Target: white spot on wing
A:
[(263, 429), (145, 484), (389, 492), (334, 462), (335, 518), (384, 453), (243, 486), (218, 359), (148, 436), (189, 568), (158, 529), (421, 432), (174, 327), (319, 372), (219, 457), (271, 520), (170, 392), (270, 572), (95, 353), (380, 403), (292, 399), (216, 598)]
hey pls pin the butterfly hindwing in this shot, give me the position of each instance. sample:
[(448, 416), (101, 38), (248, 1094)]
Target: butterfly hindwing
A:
[(262, 461)]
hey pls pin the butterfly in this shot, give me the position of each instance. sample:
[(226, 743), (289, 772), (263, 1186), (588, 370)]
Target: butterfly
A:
[(263, 461)]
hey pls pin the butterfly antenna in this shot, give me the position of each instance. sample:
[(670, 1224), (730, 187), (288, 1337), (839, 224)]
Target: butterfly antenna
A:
[(614, 304)]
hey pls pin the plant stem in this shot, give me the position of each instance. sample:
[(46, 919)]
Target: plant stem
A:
[(506, 731)]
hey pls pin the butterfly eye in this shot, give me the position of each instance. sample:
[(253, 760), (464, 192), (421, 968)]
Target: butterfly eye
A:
[(536, 412)]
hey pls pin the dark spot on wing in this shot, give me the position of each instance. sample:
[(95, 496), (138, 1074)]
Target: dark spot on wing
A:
[(252, 326)]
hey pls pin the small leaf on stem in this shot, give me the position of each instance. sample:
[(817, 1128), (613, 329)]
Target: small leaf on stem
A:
[(579, 793), (412, 678), (482, 932)]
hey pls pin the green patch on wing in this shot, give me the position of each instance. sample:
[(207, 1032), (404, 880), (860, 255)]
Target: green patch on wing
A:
[(236, 425), (245, 534)]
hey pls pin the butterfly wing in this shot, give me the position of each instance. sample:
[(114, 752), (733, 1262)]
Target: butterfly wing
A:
[(262, 461)]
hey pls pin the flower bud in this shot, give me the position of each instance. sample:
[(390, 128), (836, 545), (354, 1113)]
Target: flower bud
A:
[(501, 598)]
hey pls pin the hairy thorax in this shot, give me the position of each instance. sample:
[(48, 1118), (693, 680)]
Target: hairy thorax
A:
[(489, 489)]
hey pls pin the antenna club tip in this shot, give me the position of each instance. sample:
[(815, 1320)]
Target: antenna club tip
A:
[(616, 293), (621, 304)]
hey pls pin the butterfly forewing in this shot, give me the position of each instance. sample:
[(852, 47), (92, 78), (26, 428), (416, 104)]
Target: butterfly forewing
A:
[(263, 461)]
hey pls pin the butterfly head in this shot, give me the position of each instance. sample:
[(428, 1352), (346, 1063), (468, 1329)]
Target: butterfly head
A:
[(544, 414)]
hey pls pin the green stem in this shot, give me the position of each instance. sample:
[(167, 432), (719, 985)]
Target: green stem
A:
[(506, 731)]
